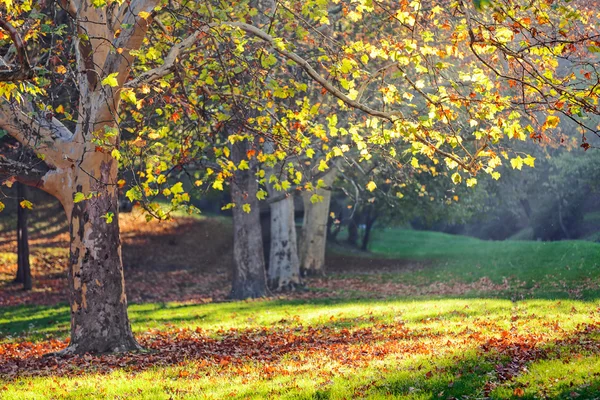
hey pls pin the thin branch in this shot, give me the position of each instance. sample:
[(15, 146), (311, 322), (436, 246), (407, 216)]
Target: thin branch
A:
[(24, 72)]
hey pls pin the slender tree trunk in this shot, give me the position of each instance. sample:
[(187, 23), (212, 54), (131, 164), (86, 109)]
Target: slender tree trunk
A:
[(249, 275), (370, 219), (284, 264), (333, 229), (353, 231), (99, 321), (24, 268), (314, 229)]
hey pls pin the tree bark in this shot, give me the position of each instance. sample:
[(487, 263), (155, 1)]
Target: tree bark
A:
[(284, 264), (249, 275), (24, 268), (314, 229), (99, 321)]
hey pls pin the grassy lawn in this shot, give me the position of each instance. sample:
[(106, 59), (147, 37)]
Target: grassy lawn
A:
[(542, 269), (427, 347)]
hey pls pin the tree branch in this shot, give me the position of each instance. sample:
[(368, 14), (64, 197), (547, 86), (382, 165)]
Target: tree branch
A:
[(41, 135), (24, 72)]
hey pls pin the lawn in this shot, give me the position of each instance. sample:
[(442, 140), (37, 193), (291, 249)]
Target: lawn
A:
[(479, 342)]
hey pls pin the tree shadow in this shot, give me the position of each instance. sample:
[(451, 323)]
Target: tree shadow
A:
[(489, 363)]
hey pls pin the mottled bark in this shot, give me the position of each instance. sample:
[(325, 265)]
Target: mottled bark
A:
[(314, 229), (284, 264), (99, 321), (249, 276)]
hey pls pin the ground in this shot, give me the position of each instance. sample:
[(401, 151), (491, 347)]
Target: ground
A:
[(425, 315)]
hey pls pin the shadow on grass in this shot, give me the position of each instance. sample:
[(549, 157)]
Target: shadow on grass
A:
[(490, 368)]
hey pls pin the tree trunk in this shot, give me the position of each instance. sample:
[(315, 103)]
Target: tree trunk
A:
[(314, 229), (24, 268), (99, 321), (353, 230), (249, 275), (284, 265), (370, 219)]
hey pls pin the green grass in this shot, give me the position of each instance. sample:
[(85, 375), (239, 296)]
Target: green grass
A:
[(548, 269), (451, 361), (451, 349)]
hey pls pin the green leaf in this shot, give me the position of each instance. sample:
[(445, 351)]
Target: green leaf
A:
[(246, 208), (134, 194), (177, 188), (109, 217)]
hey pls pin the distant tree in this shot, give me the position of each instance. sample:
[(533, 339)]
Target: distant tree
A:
[(23, 266)]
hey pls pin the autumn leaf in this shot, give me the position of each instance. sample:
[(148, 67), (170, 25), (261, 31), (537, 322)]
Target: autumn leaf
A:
[(26, 204), (111, 80)]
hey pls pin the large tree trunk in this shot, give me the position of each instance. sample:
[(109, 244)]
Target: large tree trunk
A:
[(314, 229), (23, 266), (249, 276), (284, 264), (99, 321)]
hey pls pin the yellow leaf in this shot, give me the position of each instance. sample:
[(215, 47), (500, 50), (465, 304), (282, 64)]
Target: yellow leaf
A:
[(128, 95), (144, 14), (218, 184), (529, 161), (246, 208), (26, 204), (61, 69), (517, 163), (471, 182), (456, 178), (60, 109), (371, 186), (552, 121), (111, 80)]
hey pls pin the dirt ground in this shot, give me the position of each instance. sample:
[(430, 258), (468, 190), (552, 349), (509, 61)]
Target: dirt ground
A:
[(185, 259)]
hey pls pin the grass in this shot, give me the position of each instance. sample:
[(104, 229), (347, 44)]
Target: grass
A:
[(413, 348), (445, 355), (545, 268)]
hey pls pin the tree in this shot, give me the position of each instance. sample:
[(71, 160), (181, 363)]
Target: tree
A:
[(82, 176), (23, 266), (434, 54), (314, 227)]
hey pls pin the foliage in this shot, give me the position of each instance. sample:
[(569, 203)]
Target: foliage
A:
[(422, 81)]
